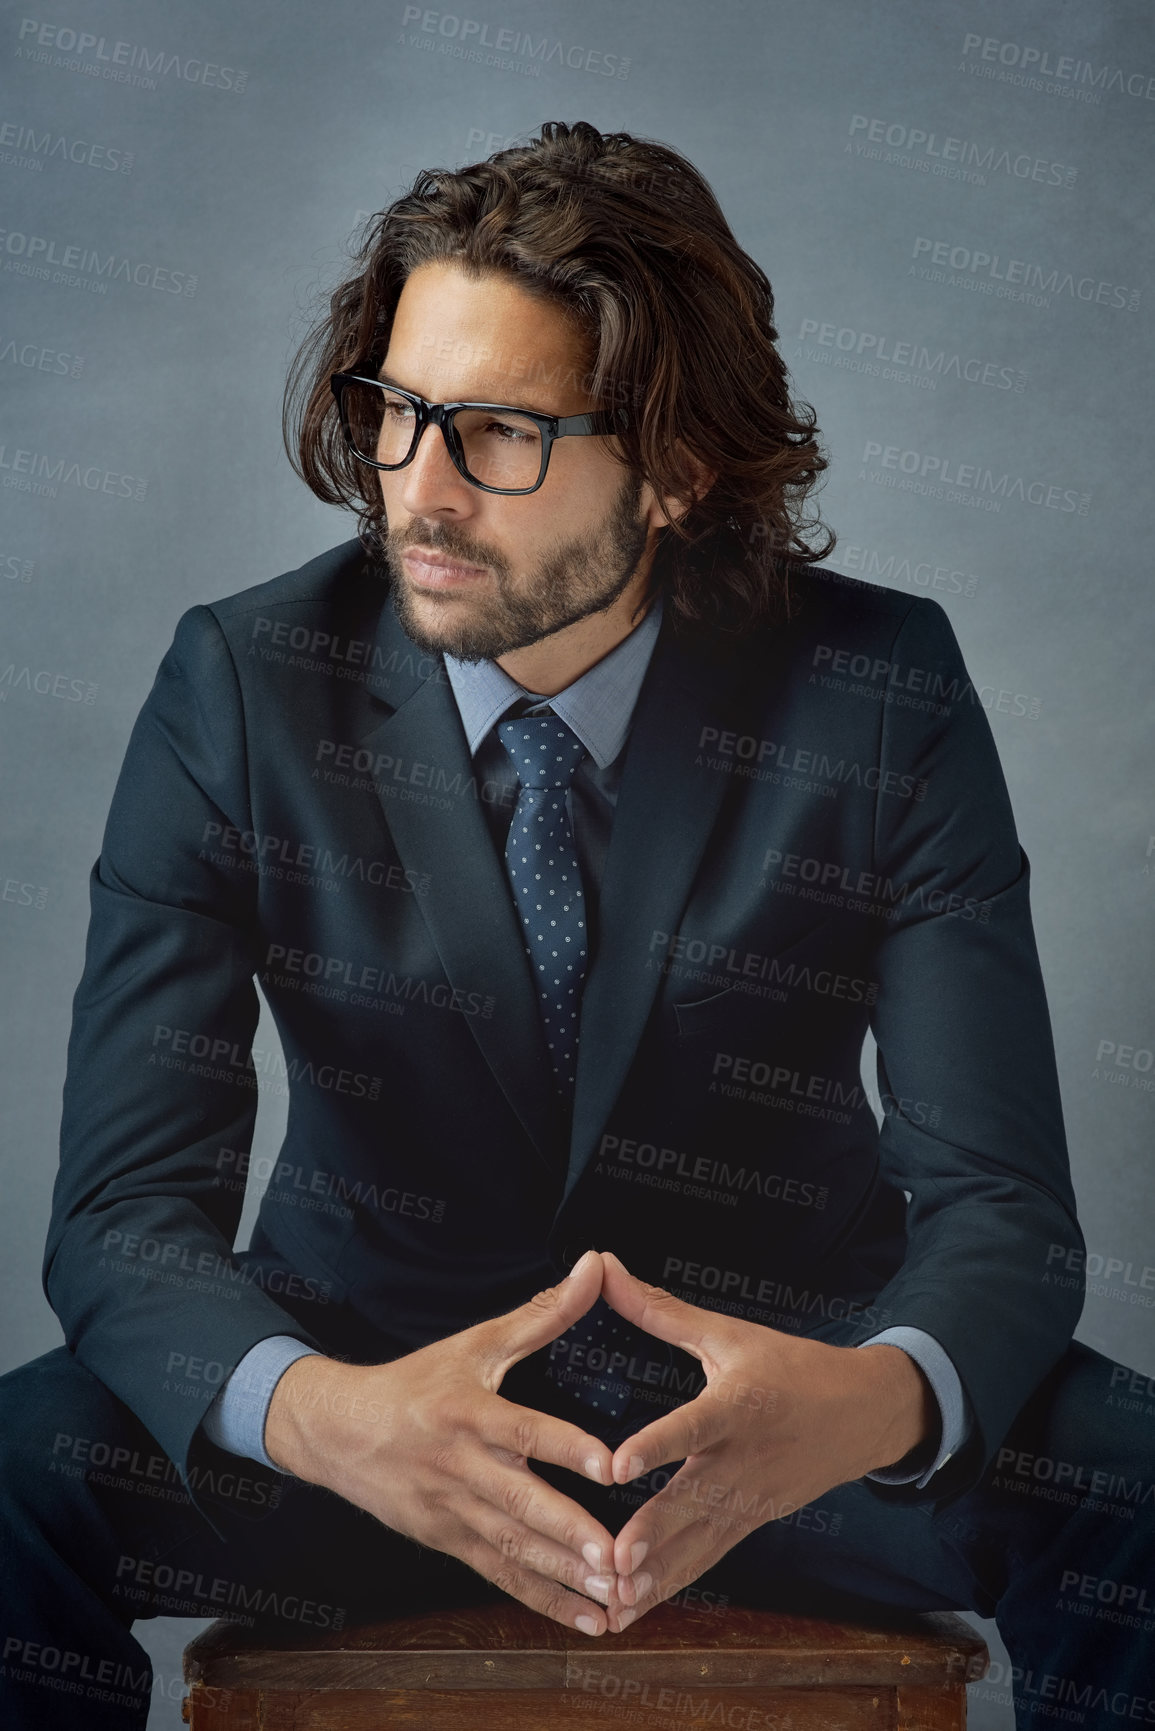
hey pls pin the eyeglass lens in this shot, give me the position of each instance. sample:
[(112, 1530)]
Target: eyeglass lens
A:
[(498, 450)]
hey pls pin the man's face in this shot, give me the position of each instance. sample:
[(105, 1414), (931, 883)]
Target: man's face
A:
[(529, 565)]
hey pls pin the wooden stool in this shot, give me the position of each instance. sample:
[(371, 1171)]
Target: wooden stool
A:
[(501, 1667)]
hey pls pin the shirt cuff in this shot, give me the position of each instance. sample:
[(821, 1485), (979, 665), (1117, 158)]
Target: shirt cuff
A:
[(236, 1419), (954, 1413)]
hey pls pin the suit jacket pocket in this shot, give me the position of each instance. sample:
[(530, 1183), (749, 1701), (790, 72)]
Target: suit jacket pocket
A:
[(752, 998), (694, 1015)]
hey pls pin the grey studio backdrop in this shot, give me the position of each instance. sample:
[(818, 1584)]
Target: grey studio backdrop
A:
[(952, 202)]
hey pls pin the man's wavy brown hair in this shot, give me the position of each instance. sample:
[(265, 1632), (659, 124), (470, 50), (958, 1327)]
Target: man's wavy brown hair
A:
[(627, 238)]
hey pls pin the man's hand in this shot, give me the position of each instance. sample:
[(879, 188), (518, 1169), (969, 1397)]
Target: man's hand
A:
[(428, 1446), (780, 1421)]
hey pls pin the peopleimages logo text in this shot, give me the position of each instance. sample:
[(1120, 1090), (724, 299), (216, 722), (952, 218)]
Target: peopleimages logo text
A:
[(1037, 278), (1065, 68), (119, 60), (975, 478), (36, 148), (37, 252), (918, 356), (475, 33), (932, 151)]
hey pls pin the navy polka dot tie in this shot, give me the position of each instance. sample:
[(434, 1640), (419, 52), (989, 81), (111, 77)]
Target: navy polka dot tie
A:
[(543, 871), (594, 1359), (590, 1358)]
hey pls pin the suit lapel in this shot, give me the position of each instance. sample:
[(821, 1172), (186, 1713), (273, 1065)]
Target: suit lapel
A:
[(468, 907), (667, 803)]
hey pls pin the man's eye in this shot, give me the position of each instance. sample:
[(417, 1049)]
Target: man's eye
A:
[(506, 433)]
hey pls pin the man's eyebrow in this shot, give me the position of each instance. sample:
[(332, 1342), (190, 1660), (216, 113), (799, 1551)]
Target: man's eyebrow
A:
[(385, 378)]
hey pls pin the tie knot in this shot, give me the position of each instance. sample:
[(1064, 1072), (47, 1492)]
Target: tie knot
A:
[(544, 750)]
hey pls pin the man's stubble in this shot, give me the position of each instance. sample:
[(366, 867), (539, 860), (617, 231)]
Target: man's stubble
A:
[(573, 580)]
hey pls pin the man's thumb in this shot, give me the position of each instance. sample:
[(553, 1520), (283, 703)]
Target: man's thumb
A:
[(545, 1316)]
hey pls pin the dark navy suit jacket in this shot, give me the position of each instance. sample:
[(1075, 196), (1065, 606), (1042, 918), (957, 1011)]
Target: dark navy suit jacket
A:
[(812, 837)]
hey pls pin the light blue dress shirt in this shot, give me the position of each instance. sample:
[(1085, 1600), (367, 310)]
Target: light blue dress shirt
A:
[(599, 707)]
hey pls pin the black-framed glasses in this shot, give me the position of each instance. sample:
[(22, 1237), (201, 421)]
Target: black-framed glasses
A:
[(494, 447)]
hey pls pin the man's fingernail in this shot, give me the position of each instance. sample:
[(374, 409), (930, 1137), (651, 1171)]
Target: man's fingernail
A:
[(634, 1466), (625, 1618), (642, 1583), (598, 1586), (587, 1625), (593, 1555), (578, 1265), (637, 1553)]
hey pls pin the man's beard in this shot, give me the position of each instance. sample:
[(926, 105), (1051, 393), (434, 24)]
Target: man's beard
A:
[(573, 579)]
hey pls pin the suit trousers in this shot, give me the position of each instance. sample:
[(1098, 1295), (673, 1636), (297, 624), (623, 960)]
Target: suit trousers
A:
[(1055, 1544)]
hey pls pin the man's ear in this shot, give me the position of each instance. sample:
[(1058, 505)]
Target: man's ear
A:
[(703, 479)]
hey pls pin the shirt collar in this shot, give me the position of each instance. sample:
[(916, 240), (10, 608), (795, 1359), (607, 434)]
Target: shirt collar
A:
[(598, 706)]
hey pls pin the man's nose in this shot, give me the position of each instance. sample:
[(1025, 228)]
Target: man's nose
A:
[(431, 484)]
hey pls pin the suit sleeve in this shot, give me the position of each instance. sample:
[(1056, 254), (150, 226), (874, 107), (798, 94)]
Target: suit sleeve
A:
[(972, 1123), (138, 1263)]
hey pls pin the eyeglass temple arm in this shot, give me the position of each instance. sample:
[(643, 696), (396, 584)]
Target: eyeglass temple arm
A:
[(597, 421)]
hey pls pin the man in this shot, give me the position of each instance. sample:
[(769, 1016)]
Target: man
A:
[(577, 829)]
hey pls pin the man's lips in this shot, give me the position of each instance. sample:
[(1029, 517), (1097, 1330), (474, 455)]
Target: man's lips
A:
[(436, 571)]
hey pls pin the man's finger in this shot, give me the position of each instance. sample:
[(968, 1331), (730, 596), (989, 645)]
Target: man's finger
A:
[(678, 1535), (525, 1497), (524, 1543), (691, 1499), (548, 1597), (540, 1436), (506, 1339), (698, 1424), (692, 1522), (658, 1312), (621, 1611)]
